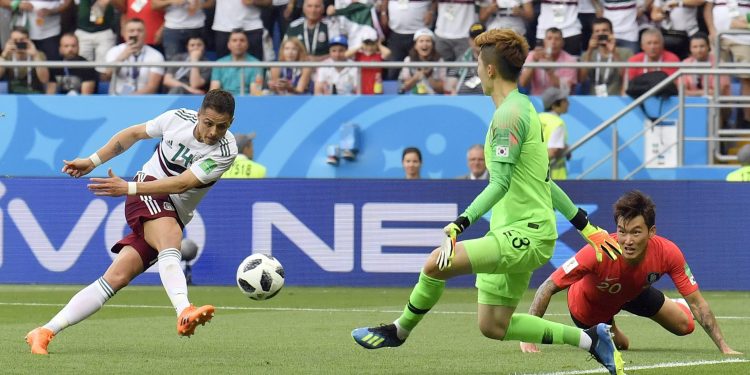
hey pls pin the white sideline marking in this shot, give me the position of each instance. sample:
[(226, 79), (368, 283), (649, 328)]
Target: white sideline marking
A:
[(654, 366), (323, 310)]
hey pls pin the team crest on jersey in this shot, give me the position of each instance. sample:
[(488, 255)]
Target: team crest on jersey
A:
[(652, 277), (208, 165), (168, 206)]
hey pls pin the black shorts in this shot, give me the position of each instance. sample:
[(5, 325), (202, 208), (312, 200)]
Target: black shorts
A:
[(646, 304)]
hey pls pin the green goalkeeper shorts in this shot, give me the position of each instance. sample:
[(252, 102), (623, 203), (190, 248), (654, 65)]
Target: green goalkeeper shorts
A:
[(504, 261)]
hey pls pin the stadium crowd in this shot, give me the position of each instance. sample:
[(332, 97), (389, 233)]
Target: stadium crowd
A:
[(358, 30)]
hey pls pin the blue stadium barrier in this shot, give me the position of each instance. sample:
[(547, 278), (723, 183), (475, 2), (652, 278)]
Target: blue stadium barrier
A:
[(345, 232), (293, 132)]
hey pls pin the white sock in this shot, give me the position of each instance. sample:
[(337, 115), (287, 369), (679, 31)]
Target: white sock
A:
[(401, 332), (585, 342), (173, 278), (84, 304)]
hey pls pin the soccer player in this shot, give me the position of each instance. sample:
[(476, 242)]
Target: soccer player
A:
[(522, 229), (195, 149), (599, 290)]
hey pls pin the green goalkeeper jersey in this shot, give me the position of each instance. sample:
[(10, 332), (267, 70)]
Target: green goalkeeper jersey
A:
[(514, 146)]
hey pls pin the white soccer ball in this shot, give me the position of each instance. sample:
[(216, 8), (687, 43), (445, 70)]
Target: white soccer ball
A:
[(260, 276)]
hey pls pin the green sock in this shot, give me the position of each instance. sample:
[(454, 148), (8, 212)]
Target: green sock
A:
[(533, 329), (424, 295)]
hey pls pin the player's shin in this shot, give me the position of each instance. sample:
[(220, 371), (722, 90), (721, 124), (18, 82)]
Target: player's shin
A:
[(84, 304), (173, 278), (423, 297), (533, 329)]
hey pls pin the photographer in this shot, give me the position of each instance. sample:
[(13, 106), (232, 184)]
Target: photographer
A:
[(603, 81), (133, 80), (23, 80)]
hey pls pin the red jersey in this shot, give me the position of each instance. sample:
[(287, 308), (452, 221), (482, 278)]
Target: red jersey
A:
[(153, 19), (599, 290), (368, 74)]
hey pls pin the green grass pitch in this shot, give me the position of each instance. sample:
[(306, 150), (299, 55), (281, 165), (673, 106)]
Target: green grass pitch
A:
[(307, 331)]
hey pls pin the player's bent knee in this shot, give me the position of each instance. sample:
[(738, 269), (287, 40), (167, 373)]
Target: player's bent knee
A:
[(492, 331), (430, 267), (117, 280), (685, 328)]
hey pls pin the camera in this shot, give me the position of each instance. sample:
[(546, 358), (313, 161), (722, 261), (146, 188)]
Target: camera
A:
[(22, 45), (603, 38)]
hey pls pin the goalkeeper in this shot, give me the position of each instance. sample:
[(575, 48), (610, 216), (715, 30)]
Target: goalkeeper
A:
[(522, 229), (599, 290)]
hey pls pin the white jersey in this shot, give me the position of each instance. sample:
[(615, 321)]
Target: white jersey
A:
[(179, 150)]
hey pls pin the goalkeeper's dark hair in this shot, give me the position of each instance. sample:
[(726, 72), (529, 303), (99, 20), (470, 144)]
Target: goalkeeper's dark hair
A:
[(220, 101), (504, 49), (633, 204)]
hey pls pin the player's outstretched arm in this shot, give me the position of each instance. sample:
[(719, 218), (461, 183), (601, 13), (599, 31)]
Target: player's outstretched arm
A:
[(539, 307), (114, 186), (118, 144), (597, 237), (705, 317)]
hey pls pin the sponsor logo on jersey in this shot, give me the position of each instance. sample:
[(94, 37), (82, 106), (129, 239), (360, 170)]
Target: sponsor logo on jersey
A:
[(169, 143), (208, 165), (168, 206), (689, 274), (652, 277), (569, 265)]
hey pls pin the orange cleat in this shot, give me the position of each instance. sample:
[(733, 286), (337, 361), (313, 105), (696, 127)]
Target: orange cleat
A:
[(191, 317), (38, 339)]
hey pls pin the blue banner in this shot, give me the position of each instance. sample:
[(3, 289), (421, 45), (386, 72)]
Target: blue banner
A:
[(37, 132), (344, 232)]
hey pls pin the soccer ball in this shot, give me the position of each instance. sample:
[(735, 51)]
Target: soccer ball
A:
[(260, 276)]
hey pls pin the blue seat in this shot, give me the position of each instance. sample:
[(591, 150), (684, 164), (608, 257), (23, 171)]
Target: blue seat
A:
[(3, 87), (102, 87), (390, 87)]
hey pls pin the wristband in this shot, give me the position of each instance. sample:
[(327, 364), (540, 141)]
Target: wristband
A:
[(95, 159), (580, 220), (462, 222), (132, 188)]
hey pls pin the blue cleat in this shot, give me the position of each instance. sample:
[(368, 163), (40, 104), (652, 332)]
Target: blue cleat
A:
[(603, 349), (377, 337)]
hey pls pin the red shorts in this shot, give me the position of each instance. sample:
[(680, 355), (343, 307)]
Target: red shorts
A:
[(139, 209)]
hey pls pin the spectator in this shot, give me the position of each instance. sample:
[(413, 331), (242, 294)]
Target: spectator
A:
[(230, 79), (23, 80), (244, 166), (563, 16), (183, 20), (403, 19), (72, 81), (42, 20), (189, 80), (507, 14), (604, 81), (555, 132), (721, 16), (743, 173), (274, 15), (5, 21), (422, 80), (95, 21), (477, 166), (370, 50), (586, 15), (411, 160), (699, 85), (153, 20), (623, 15), (541, 79), (312, 30), (291, 81), (336, 81), (135, 80), (465, 81), (231, 15), (678, 20), (454, 17), (652, 44)]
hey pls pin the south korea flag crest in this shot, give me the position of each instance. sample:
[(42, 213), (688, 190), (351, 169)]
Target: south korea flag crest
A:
[(501, 151)]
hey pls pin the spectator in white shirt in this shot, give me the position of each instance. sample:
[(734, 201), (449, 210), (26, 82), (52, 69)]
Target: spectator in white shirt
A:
[(140, 80)]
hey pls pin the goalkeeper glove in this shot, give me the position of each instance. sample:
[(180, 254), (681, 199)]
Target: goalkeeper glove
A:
[(600, 240), (448, 247)]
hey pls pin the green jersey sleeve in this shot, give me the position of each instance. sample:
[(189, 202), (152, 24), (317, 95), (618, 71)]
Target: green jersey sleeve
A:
[(500, 175), (561, 201), (507, 129)]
